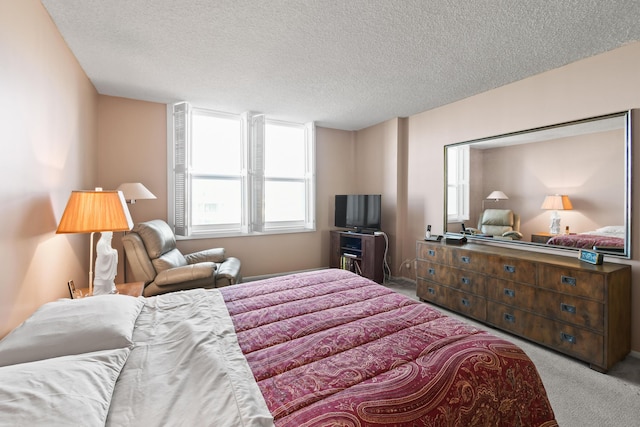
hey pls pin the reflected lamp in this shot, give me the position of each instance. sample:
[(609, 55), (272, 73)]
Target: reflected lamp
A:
[(555, 203), (133, 191), (496, 196)]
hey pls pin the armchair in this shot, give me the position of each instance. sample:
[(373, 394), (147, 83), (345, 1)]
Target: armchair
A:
[(503, 223), (154, 259)]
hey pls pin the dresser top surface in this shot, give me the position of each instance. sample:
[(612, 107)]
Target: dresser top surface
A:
[(557, 260)]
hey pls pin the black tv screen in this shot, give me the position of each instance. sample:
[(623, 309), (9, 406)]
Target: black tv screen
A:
[(359, 211)]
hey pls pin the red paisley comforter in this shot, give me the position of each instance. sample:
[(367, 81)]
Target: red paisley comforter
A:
[(332, 348), (586, 241)]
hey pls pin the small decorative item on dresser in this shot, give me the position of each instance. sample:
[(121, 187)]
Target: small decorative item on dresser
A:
[(591, 257), (455, 239)]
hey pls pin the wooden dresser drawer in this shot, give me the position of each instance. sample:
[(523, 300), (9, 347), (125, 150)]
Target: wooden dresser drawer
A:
[(466, 281), (467, 304), (575, 282), (434, 252), (578, 311), (432, 271), (583, 344), (432, 292), (462, 302), (468, 260), (518, 270)]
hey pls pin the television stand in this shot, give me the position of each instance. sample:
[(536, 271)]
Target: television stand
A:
[(364, 250)]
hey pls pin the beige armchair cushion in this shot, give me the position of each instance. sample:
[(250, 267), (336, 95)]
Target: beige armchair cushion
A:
[(171, 259), (499, 223), (157, 237), (201, 271), (496, 221), (207, 255)]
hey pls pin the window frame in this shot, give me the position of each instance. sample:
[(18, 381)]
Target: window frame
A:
[(252, 177), (461, 183)]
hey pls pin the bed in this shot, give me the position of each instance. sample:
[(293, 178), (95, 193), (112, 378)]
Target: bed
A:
[(610, 237), (311, 349)]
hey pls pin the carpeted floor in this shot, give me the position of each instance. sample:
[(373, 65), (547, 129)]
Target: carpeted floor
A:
[(580, 396)]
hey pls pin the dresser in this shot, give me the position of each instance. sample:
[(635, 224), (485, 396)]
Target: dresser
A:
[(576, 308)]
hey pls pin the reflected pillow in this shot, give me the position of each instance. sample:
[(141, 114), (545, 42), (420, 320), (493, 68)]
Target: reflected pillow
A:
[(64, 391), (612, 229), (72, 326)]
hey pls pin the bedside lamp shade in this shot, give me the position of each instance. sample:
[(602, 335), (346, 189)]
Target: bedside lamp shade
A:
[(91, 211), (557, 202), (95, 211), (496, 196), (133, 191)]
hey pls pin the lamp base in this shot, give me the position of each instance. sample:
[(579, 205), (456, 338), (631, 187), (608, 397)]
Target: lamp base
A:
[(106, 266), (554, 227), (104, 287)]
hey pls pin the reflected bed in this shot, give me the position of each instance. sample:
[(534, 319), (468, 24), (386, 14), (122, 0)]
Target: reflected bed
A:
[(611, 237)]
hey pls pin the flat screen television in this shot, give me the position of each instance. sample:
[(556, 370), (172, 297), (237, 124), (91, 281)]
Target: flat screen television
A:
[(361, 212)]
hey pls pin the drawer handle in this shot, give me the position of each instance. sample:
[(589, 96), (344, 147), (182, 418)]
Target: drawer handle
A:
[(509, 318), (510, 293), (466, 302), (567, 338), (568, 280), (568, 308), (432, 271), (431, 291), (466, 259), (510, 268), (431, 252), (465, 281)]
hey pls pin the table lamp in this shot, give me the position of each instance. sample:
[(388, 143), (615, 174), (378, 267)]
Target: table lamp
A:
[(95, 211), (133, 191), (556, 203), (496, 196)]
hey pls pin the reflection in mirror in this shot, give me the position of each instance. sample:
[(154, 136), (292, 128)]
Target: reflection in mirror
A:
[(565, 186)]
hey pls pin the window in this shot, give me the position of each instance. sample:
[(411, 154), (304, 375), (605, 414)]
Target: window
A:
[(240, 174), (458, 183)]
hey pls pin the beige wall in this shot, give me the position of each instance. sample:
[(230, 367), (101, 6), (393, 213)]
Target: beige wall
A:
[(595, 86), (132, 148), (48, 111), (379, 159)]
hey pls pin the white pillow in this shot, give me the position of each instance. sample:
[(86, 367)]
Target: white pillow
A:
[(67, 326), (64, 391), (612, 229)]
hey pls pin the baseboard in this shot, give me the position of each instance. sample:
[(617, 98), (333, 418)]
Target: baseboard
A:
[(269, 276), (634, 354)]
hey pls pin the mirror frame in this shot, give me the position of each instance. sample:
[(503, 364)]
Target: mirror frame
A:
[(536, 135)]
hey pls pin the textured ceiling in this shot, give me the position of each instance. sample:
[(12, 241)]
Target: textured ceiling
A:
[(346, 64)]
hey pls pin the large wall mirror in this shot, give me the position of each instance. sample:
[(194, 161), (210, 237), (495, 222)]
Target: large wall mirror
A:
[(566, 186)]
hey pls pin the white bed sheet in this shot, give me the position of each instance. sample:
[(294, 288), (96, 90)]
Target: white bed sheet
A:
[(186, 368)]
